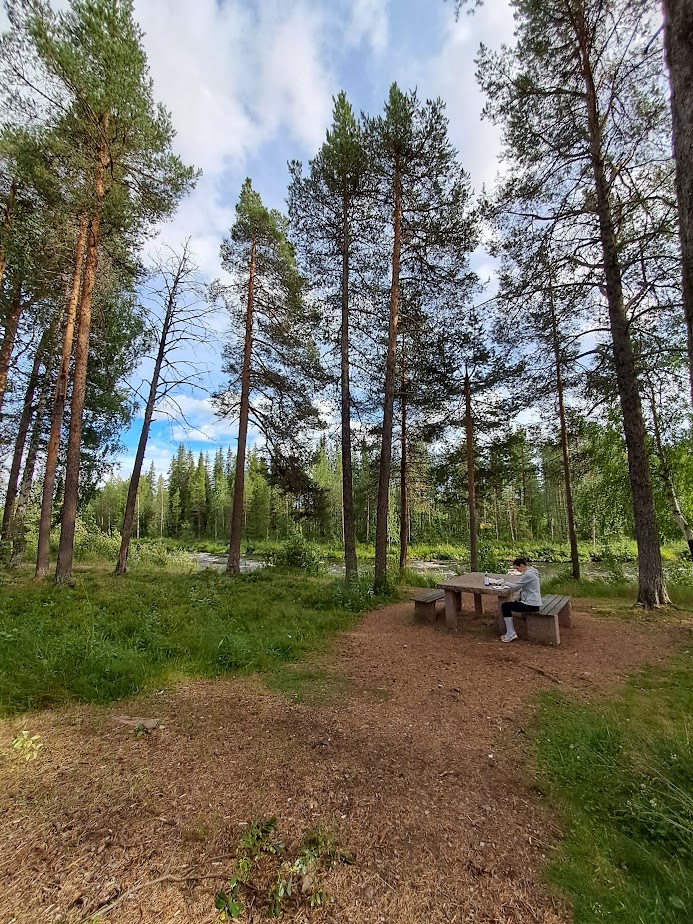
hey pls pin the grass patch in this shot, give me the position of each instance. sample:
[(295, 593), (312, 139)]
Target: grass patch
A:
[(107, 637), (313, 686), (621, 776)]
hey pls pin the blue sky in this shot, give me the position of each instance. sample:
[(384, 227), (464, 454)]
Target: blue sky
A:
[(250, 86)]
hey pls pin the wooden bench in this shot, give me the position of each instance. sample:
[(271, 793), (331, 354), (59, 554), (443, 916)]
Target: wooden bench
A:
[(425, 604), (543, 626)]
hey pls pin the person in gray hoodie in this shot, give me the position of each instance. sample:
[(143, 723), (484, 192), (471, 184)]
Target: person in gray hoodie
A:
[(530, 597)]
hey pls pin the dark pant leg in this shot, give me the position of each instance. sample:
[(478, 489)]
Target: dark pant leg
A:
[(514, 606)]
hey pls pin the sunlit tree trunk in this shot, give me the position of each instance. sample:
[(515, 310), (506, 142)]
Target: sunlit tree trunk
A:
[(388, 398), (58, 409), (234, 561), (63, 571), (350, 564)]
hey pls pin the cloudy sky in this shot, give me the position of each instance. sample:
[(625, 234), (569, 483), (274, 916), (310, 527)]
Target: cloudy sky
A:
[(250, 85)]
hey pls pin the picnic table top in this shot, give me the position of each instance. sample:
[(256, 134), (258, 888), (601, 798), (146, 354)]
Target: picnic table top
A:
[(473, 582)]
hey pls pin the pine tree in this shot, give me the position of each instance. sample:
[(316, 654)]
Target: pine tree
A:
[(424, 195), (278, 353), (329, 214), (573, 116), (93, 59)]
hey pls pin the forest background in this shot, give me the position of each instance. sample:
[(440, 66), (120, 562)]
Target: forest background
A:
[(485, 342)]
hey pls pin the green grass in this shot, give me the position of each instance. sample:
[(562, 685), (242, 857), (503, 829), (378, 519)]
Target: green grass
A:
[(620, 775), (109, 637)]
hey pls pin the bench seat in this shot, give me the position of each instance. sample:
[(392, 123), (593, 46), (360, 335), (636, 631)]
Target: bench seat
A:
[(544, 626), (425, 604)]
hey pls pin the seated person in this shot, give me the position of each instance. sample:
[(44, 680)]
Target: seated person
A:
[(530, 597)]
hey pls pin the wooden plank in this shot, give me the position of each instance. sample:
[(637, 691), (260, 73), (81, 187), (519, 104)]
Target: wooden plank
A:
[(428, 597)]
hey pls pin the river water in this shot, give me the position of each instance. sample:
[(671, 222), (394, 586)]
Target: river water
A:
[(444, 569)]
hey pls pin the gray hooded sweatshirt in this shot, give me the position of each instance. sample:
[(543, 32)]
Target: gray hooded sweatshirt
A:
[(528, 585)]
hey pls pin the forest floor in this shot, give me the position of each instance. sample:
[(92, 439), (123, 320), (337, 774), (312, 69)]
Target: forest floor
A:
[(411, 745)]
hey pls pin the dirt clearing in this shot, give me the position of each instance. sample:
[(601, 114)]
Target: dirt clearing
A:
[(408, 742)]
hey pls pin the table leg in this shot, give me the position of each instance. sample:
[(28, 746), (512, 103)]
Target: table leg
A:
[(478, 608), (501, 621), (451, 602)]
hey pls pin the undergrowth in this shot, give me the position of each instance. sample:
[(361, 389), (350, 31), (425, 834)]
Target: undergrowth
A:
[(108, 637), (271, 879), (621, 775)]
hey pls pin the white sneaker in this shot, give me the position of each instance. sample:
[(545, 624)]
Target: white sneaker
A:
[(509, 638)]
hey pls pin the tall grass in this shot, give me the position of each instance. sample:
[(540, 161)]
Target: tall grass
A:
[(621, 776), (110, 637)]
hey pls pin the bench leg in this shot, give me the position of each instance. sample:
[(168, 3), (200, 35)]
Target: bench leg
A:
[(452, 607), (478, 606), (543, 629), (564, 617), (425, 611)]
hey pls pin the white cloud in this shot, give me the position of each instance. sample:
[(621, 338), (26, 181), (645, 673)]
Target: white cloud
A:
[(451, 75), (368, 23)]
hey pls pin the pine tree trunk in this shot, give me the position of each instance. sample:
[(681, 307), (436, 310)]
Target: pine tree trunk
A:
[(122, 564), (20, 442), (234, 561), (403, 498), (8, 338), (471, 484), (6, 225), (651, 589), (565, 449), (58, 410), (668, 480), (380, 578), (678, 42), (350, 564), (63, 569), (17, 530)]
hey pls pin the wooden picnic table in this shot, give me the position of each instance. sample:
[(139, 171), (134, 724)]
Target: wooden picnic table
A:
[(472, 583)]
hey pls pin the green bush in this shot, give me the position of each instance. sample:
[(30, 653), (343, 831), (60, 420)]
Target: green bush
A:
[(297, 553)]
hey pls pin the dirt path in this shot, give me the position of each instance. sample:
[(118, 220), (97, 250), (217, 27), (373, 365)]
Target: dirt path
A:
[(410, 745)]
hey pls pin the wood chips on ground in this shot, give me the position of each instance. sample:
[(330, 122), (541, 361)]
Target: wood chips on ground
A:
[(412, 747)]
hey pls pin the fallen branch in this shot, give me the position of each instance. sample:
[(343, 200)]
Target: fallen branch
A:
[(169, 877)]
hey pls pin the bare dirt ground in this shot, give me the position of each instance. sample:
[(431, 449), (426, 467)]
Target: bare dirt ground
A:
[(409, 742)]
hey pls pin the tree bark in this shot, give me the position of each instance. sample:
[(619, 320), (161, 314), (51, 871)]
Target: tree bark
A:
[(63, 569), (234, 562), (6, 226), (471, 484), (380, 578), (17, 531), (403, 497), (122, 563), (350, 564), (20, 442), (651, 589), (58, 410), (668, 479), (9, 336), (678, 43), (565, 449)]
